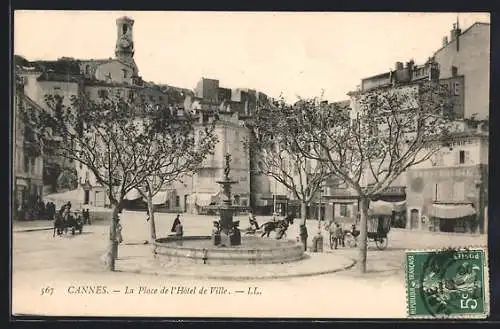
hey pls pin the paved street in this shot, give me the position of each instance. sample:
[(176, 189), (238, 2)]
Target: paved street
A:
[(62, 262)]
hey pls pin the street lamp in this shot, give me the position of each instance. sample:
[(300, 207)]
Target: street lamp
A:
[(321, 190)]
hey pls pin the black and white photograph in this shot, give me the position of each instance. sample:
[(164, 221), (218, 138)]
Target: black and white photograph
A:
[(250, 164)]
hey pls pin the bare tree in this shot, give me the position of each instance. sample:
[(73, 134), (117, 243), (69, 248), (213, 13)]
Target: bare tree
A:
[(113, 139), (179, 146), (280, 157), (369, 146)]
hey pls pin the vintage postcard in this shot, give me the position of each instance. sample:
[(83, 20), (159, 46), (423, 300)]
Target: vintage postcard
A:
[(250, 164)]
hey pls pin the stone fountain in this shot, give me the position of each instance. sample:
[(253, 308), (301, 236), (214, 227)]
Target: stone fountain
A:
[(232, 248), (226, 209)]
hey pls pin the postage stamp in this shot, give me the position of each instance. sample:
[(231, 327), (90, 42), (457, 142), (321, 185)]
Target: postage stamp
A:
[(449, 283)]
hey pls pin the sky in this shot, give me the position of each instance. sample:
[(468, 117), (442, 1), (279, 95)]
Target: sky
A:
[(293, 54)]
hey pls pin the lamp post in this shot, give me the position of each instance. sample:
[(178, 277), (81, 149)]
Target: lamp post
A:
[(274, 199)]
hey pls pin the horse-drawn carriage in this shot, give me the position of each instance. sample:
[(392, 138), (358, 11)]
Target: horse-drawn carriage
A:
[(378, 227), (280, 226), (72, 221)]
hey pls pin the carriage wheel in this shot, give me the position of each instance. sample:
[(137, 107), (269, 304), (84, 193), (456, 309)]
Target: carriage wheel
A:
[(381, 243), (350, 241)]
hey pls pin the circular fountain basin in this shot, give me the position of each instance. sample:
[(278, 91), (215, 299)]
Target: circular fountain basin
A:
[(253, 250)]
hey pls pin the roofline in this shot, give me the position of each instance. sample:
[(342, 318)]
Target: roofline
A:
[(463, 32)]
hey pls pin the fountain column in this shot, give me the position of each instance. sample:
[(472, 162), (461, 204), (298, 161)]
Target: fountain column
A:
[(226, 208)]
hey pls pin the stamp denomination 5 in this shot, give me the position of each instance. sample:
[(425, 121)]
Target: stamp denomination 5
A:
[(449, 283)]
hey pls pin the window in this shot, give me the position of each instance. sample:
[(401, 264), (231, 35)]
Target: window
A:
[(177, 201), (461, 157), (454, 71), (456, 89), (26, 163), (131, 94), (160, 98), (124, 73), (343, 210), (102, 93), (459, 191), (124, 29), (151, 98)]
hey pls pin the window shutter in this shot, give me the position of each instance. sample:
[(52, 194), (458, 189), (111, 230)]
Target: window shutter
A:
[(467, 157), (459, 191)]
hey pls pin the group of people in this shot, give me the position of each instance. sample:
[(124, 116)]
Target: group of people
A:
[(36, 209), (65, 211), (337, 234)]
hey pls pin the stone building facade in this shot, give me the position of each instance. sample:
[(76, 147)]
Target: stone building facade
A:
[(27, 158), (449, 192), (119, 76), (467, 53)]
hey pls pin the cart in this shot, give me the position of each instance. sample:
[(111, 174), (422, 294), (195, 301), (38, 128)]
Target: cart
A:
[(75, 222), (379, 225)]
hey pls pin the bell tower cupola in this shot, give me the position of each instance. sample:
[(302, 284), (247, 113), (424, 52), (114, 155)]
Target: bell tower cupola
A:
[(124, 41)]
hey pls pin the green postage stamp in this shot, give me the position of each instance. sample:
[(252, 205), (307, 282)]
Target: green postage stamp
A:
[(450, 283)]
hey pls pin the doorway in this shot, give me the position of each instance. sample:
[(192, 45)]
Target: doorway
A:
[(414, 219), (86, 196)]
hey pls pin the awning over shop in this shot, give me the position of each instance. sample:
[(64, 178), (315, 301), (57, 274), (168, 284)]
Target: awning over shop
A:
[(393, 206), (451, 211), (59, 199), (132, 195), (204, 199), (162, 197), (380, 209)]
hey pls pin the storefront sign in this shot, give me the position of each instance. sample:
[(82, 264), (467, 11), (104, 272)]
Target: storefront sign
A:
[(445, 172), (21, 182)]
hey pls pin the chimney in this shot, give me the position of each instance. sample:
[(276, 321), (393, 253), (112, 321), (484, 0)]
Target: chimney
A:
[(409, 65), (455, 33), (445, 41), (399, 66)]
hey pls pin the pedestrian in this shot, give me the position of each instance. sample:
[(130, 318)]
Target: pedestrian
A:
[(179, 232), (216, 233), (338, 235), (119, 237), (303, 235), (177, 220)]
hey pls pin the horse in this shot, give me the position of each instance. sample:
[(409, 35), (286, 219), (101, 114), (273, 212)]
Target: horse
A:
[(271, 226), (59, 224)]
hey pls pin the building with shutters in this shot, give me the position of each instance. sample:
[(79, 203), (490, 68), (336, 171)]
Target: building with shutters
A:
[(119, 76), (450, 191), (28, 158)]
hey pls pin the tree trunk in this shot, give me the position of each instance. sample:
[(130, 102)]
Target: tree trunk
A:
[(112, 251), (363, 226), (152, 226), (303, 211)]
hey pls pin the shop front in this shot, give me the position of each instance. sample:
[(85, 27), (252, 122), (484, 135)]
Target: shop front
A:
[(452, 217)]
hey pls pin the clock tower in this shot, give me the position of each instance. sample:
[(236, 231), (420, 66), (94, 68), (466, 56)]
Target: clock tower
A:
[(124, 42)]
